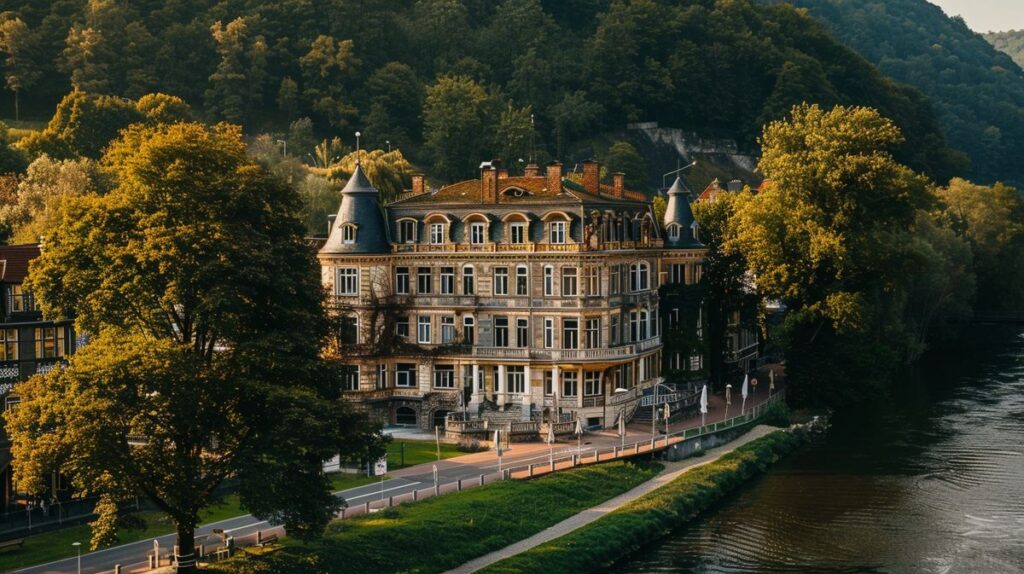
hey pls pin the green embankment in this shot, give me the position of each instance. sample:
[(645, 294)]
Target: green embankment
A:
[(601, 543), (441, 533)]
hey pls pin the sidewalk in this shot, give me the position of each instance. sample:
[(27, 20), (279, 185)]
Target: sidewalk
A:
[(672, 471)]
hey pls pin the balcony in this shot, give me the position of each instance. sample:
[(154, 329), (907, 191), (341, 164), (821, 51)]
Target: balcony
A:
[(556, 355), (382, 394), (523, 247)]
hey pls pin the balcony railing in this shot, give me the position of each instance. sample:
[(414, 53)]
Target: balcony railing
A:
[(522, 247), (598, 354)]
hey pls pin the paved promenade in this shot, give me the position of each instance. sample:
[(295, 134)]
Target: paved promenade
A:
[(671, 472)]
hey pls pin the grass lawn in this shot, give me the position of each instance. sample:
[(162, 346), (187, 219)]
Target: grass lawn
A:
[(417, 452), (49, 546), (441, 533), (596, 546)]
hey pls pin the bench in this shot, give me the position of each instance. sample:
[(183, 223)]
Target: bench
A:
[(13, 543), (264, 540)]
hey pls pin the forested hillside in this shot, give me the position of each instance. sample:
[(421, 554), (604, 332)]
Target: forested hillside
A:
[(450, 81), (1010, 43), (977, 91)]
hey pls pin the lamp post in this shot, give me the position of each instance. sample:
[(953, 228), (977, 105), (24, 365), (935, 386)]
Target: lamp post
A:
[(728, 401), (284, 146), (622, 417), (78, 547)]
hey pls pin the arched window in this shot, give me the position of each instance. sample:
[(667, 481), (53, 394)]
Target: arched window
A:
[(468, 280), (437, 228), (407, 230), (348, 233), (673, 231), (517, 228), (639, 277)]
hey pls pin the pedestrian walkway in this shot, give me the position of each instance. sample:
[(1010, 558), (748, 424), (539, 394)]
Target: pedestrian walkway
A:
[(671, 472)]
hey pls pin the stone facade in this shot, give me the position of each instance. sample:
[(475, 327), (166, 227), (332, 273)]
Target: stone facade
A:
[(538, 291)]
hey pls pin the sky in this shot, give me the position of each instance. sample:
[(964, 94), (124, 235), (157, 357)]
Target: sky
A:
[(987, 15)]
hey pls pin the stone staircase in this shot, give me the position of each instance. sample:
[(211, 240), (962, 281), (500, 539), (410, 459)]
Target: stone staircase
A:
[(511, 414)]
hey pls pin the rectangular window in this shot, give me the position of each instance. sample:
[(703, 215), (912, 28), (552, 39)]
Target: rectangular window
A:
[(673, 232), (447, 280), (424, 281), (549, 281), (444, 376), (348, 234), (615, 282), (423, 330), (591, 383), (467, 376), (570, 333), (634, 326), (569, 285), (402, 327), (348, 281), (407, 231), (447, 330), (549, 332), (677, 273), (698, 272), (557, 232), (468, 330), (437, 233), (570, 383), (549, 386), (382, 376), (639, 277), (501, 331), (501, 280), (517, 233), (348, 333), (49, 342), (22, 300), (522, 333), (9, 346), (405, 375), (593, 333), (516, 380), (522, 281), (613, 330), (468, 281), (592, 276), (476, 233), (402, 280), (350, 377)]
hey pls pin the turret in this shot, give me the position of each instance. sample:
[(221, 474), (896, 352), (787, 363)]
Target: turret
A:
[(359, 226), (680, 226)]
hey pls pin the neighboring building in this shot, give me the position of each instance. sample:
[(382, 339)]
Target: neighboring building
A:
[(29, 344), (529, 295)]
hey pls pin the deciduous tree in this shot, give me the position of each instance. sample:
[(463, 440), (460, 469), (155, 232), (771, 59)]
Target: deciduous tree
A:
[(206, 318)]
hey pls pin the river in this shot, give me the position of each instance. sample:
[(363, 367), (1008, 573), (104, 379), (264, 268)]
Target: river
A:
[(930, 480)]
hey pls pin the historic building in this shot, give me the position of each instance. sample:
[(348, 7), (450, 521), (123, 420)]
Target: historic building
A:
[(30, 345), (528, 296)]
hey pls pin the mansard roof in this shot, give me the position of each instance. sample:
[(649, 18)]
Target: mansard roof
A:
[(14, 260), (533, 190), (360, 209)]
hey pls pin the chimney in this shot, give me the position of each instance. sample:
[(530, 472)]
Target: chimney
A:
[(592, 177), (555, 177), (531, 170), (619, 184), (330, 223), (417, 183), (488, 183)]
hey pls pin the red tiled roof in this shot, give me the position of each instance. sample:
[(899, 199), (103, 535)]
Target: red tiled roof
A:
[(14, 261), (468, 191)]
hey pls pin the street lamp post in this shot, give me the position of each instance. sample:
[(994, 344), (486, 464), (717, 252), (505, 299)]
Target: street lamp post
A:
[(78, 547), (284, 146), (622, 415), (728, 401)]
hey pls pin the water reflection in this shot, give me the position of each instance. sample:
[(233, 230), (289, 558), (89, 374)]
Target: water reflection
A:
[(929, 480)]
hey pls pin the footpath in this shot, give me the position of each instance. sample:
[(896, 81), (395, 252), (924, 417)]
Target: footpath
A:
[(671, 472)]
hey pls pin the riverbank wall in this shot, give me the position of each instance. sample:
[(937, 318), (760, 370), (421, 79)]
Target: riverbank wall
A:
[(628, 529)]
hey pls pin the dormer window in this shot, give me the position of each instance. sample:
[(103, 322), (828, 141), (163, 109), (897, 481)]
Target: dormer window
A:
[(557, 234), (437, 233), (476, 233), (348, 233), (517, 233), (407, 231), (673, 232), (694, 227)]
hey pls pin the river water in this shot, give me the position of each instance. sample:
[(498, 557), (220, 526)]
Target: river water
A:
[(930, 480)]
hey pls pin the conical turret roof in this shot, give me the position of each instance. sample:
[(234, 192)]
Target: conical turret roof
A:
[(361, 212), (678, 212)]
